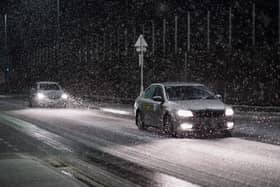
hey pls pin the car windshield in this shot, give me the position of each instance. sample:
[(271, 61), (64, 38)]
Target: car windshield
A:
[(177, 93), (49, 87)]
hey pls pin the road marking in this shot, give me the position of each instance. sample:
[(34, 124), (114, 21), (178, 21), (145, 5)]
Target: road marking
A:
[(34, 131), (115, 111)]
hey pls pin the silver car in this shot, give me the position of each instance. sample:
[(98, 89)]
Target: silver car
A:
[(183, 108), (47, 93)]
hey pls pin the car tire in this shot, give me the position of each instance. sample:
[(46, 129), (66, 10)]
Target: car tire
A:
[(228, 133), (139, 121), (30, 104), (168, 126)]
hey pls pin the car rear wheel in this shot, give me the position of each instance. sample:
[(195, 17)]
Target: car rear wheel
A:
[(168, 127), (139, 121)]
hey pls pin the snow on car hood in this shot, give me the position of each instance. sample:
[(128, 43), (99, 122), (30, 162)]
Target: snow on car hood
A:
[(199, 104)]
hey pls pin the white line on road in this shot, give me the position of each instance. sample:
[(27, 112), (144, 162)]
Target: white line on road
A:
[(34, 131)]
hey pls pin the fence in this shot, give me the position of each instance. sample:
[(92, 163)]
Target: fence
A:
[(202, 47)]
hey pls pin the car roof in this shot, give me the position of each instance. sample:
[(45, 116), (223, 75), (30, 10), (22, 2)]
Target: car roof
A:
[(178, 84), (46, 82)]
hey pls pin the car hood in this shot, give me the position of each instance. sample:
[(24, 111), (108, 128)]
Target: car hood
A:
[(199, 104)]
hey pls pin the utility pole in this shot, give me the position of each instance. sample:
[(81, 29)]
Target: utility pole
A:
[(58, 17), (254, 25), (164, 36), (208, 30), (279, 22), (6, 40), (230, 28), (176, 35), (153, 37), (6, 54), (188, 31), (57, 42)]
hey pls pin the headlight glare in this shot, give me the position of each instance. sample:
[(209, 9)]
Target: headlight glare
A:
[(40, 96), (185, 113), (229, 112), (186, 126), (64, 96), (230, 125)]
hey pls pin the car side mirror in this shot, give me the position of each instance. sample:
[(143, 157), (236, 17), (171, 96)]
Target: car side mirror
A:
[(157, 98), (219, 96)]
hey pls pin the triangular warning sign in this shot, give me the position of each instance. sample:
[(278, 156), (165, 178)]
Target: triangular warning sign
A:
[(141, 43)]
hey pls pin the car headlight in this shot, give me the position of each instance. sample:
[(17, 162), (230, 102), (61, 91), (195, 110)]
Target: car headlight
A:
[(186, 126), (64, 96), (229, 112), (40, 96), (230, 125), (185, 113)]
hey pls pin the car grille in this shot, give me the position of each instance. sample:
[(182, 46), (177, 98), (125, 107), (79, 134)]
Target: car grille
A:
[(54, 97), (209, 113)]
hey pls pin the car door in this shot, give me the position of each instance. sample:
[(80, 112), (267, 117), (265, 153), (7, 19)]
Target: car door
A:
[(147, 105), (157, 107)]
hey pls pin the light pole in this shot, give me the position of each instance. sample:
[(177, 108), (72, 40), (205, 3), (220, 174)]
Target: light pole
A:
[(5, 22), (6, 53), (58, 17)]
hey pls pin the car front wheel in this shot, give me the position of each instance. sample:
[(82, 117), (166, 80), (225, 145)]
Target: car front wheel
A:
[(168, 127), (139, 121)]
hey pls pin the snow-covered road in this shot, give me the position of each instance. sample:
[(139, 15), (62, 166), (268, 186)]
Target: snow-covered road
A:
[(215, 161)]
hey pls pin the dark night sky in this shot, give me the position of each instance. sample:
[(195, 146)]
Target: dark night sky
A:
[(31, 23)]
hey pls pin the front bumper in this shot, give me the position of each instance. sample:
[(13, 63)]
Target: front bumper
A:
[(206, 124), (50, 102)]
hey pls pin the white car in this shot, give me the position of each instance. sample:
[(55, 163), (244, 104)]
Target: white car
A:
[(183, 108), (47, 93)]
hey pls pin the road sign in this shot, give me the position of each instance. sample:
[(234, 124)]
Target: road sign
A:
[(141, 47), (141, 44)]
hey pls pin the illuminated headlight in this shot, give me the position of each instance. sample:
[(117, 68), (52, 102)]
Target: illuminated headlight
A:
[(185, 113), (186, 126), (229, 112), (40, 96), (64, 96), (230, 125)]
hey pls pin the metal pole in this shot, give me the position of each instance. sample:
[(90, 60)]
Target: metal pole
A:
[(164, 33), (58, 16), (153, 37), (208, 30), (125, 41), (188, 31), (6, 53), (104, 44), (230, 28), (5, 20), (254, 25), (186, 66), (176, 35), (142, 73), (279, 21)]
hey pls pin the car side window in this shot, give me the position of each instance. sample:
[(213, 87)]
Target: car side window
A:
[(149, 92), (158, 91)]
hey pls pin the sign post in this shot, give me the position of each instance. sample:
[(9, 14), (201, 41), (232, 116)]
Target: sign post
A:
[(141, 47)]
